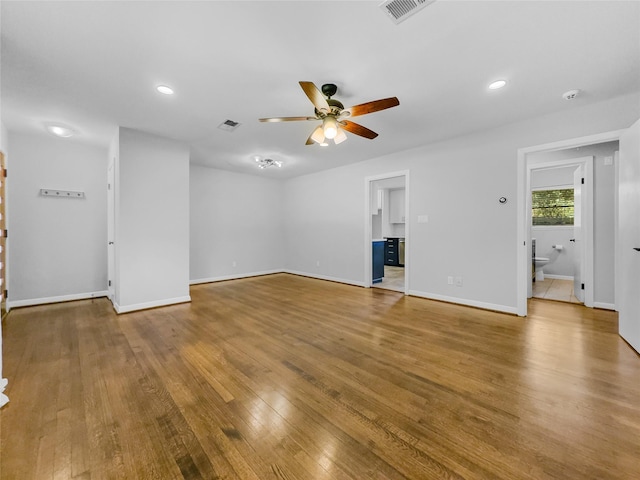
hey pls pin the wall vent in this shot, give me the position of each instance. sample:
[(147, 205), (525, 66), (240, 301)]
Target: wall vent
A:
[(228, 125), (399, 10)]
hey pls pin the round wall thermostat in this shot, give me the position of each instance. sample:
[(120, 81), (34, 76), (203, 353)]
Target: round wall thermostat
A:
[(502, 199)]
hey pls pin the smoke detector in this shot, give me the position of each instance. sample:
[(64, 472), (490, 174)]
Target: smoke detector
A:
[(571, 94), (399, 10)]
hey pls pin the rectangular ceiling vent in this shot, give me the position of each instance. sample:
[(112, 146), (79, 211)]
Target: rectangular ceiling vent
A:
[(228, 125), (399, 10)]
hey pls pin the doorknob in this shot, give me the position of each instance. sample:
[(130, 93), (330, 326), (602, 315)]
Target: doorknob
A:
[(637, 249), (572, 240), (110, 243)]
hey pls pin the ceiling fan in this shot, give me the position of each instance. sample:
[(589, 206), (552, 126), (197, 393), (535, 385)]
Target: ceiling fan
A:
[(334, 116)]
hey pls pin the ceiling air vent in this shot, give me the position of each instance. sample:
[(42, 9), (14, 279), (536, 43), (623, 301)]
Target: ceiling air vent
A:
[(400, 10), (228, 125)]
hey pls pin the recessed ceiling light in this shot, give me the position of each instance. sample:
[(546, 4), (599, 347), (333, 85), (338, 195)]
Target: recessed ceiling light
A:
[(164, 89), (60, 131), (497, 84)]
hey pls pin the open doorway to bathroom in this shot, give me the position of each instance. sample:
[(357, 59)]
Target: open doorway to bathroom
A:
[(572, 259), (386, 232)]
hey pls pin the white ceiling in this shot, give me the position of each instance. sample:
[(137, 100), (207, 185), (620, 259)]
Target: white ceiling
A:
[(94, 65)]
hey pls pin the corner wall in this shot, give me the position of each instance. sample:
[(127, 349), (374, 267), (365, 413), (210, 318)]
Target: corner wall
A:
[(151, 221), (236, 225)]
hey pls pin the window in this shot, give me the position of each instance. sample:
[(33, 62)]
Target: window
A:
[(552, 207)]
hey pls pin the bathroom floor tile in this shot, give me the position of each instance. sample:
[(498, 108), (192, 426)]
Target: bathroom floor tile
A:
[(555, 289)]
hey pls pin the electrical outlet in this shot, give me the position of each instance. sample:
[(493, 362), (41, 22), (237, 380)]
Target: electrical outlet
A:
[(458, 281), (317, 263), (449, 280), (234, 264)]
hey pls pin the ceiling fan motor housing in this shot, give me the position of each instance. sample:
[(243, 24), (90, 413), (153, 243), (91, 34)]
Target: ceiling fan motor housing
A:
[(329, 89)]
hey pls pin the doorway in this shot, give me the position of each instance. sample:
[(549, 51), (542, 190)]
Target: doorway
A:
[(560, 227), (525, 263), (386, 231)]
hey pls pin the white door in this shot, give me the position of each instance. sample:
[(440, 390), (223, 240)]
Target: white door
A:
[(629, 236), (578, 233), (111, 177)]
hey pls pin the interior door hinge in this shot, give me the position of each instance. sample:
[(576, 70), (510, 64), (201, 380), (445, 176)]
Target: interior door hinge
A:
[(582, 287), (109, 282), (6, 234), (5, 173), (583, 181), (6, 294)]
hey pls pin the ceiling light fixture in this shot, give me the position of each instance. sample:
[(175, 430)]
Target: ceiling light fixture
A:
[(497, 84), (267, 162), (164, 89), (329, 130), (60, 131), (330, 127)]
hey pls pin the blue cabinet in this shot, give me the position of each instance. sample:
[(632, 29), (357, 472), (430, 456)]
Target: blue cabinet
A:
[(377, 250), (391, 252)]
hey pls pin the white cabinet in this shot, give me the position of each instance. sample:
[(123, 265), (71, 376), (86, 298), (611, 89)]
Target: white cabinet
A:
[(376, 200), (396, 206)]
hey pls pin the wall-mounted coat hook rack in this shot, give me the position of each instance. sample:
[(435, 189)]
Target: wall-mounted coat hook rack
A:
[(52, 192)]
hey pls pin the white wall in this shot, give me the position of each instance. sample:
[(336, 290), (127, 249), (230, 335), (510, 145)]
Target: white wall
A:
[(457, 183), (560, 261), (152, 221), (234, 218), (58, 245), (603, 215)]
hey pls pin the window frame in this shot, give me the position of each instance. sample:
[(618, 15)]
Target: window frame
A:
[(551, 188)]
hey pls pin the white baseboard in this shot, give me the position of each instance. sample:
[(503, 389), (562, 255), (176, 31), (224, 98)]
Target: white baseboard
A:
[(325, 277), (465, 302), (147, 305), (57, 299), (233, 277), (604, 306), (558, 277)]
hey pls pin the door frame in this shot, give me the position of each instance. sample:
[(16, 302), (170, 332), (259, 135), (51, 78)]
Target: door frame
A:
[(368, 280), (524, 250), (587, 218)]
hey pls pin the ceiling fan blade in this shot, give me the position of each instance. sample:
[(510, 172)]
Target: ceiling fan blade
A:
[(286, 119), (371, 107), (358, 129), (316, 97)]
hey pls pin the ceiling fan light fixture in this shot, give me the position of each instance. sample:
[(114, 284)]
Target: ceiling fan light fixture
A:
[(318, 135), (330, 127), (340, 136), (497, 84)]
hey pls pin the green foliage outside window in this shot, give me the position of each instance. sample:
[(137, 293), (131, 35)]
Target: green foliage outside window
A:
[(552, 207)]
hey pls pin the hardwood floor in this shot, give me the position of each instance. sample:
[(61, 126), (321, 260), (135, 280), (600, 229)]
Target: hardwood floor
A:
[(286, 377)]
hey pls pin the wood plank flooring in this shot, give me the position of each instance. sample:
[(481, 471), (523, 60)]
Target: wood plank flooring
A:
[(286, 377)]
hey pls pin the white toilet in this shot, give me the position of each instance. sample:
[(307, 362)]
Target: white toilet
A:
[(540, 262)]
